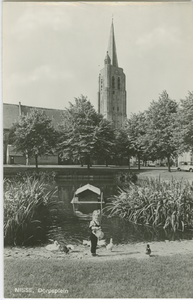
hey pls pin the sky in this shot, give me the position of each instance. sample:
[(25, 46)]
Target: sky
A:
[(53, 52)]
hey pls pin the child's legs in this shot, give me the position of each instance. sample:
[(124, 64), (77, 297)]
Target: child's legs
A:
[(93, 239)]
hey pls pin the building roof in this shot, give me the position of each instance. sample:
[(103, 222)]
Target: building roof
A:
[(89, 187), (54, 114), (11, 114), (112, 47)]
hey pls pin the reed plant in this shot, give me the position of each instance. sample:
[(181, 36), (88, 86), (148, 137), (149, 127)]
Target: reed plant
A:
[(27, 202), (155, 202), (125, 178), (47, 177)]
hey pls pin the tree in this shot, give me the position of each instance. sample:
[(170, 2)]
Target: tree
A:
[(136, 132), (34, 134), (104, 137), (161, 125), (84, 133), (184, 130), (123, 146)]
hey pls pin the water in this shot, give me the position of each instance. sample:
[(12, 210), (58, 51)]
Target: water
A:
[(72, 229)]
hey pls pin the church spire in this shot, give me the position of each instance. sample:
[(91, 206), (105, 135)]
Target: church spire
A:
[(112, 47)]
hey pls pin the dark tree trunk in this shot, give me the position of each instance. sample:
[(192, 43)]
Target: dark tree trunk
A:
[(138, 162), (129, 162), (168, 160), (82, 162), (106, 161), (26, 158), (36, 160), (88, 162)]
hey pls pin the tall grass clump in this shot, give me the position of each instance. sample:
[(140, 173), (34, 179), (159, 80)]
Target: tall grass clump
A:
[(27, 202), (167, 204), (48, 177), (125, 178)]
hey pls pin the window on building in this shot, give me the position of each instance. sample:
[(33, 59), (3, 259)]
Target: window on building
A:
[(119, 83), (113, 108), (101, 84), (113, 82), (117, 108)]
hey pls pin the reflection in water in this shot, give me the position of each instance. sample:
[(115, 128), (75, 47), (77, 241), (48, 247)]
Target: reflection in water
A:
[(70, 228)]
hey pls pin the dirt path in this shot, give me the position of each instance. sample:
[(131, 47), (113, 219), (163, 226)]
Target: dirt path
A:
[(137, 251)]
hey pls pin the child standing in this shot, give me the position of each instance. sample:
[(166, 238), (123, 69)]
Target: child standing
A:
[(95, 229)]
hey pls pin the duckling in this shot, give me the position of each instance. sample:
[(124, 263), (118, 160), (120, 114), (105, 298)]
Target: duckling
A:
[(148, 250), (110, 245)]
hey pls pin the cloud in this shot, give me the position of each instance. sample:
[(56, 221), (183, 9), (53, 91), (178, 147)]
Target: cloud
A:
[(39, 74), (159, 36), (33, 20), (51, 51)]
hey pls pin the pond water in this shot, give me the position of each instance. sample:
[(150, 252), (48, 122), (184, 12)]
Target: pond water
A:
[(72, 229)]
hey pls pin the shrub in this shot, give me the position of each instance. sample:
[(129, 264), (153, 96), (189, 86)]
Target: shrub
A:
[(155, 202), (27, 200)]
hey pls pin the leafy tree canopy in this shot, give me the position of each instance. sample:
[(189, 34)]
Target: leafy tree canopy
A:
[(123, 145), (34, 134), (185, 123), (84, 132), (160, 126), (104, 137), (136, 132)]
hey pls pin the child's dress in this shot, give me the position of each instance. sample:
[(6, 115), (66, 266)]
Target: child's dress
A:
[(93, 237)]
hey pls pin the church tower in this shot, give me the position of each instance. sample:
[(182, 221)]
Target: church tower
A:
[(112, 90)]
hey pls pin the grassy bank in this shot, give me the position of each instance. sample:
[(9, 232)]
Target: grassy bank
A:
[(111, 171), (154, 277), (65, 170)]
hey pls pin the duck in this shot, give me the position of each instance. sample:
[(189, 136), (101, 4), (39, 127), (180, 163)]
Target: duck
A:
[(148, 250), (53, 247), (70, 247), (66, 248), (110, 245)]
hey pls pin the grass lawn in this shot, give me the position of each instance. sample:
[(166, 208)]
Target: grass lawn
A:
[(154, 277), (165, 175)]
